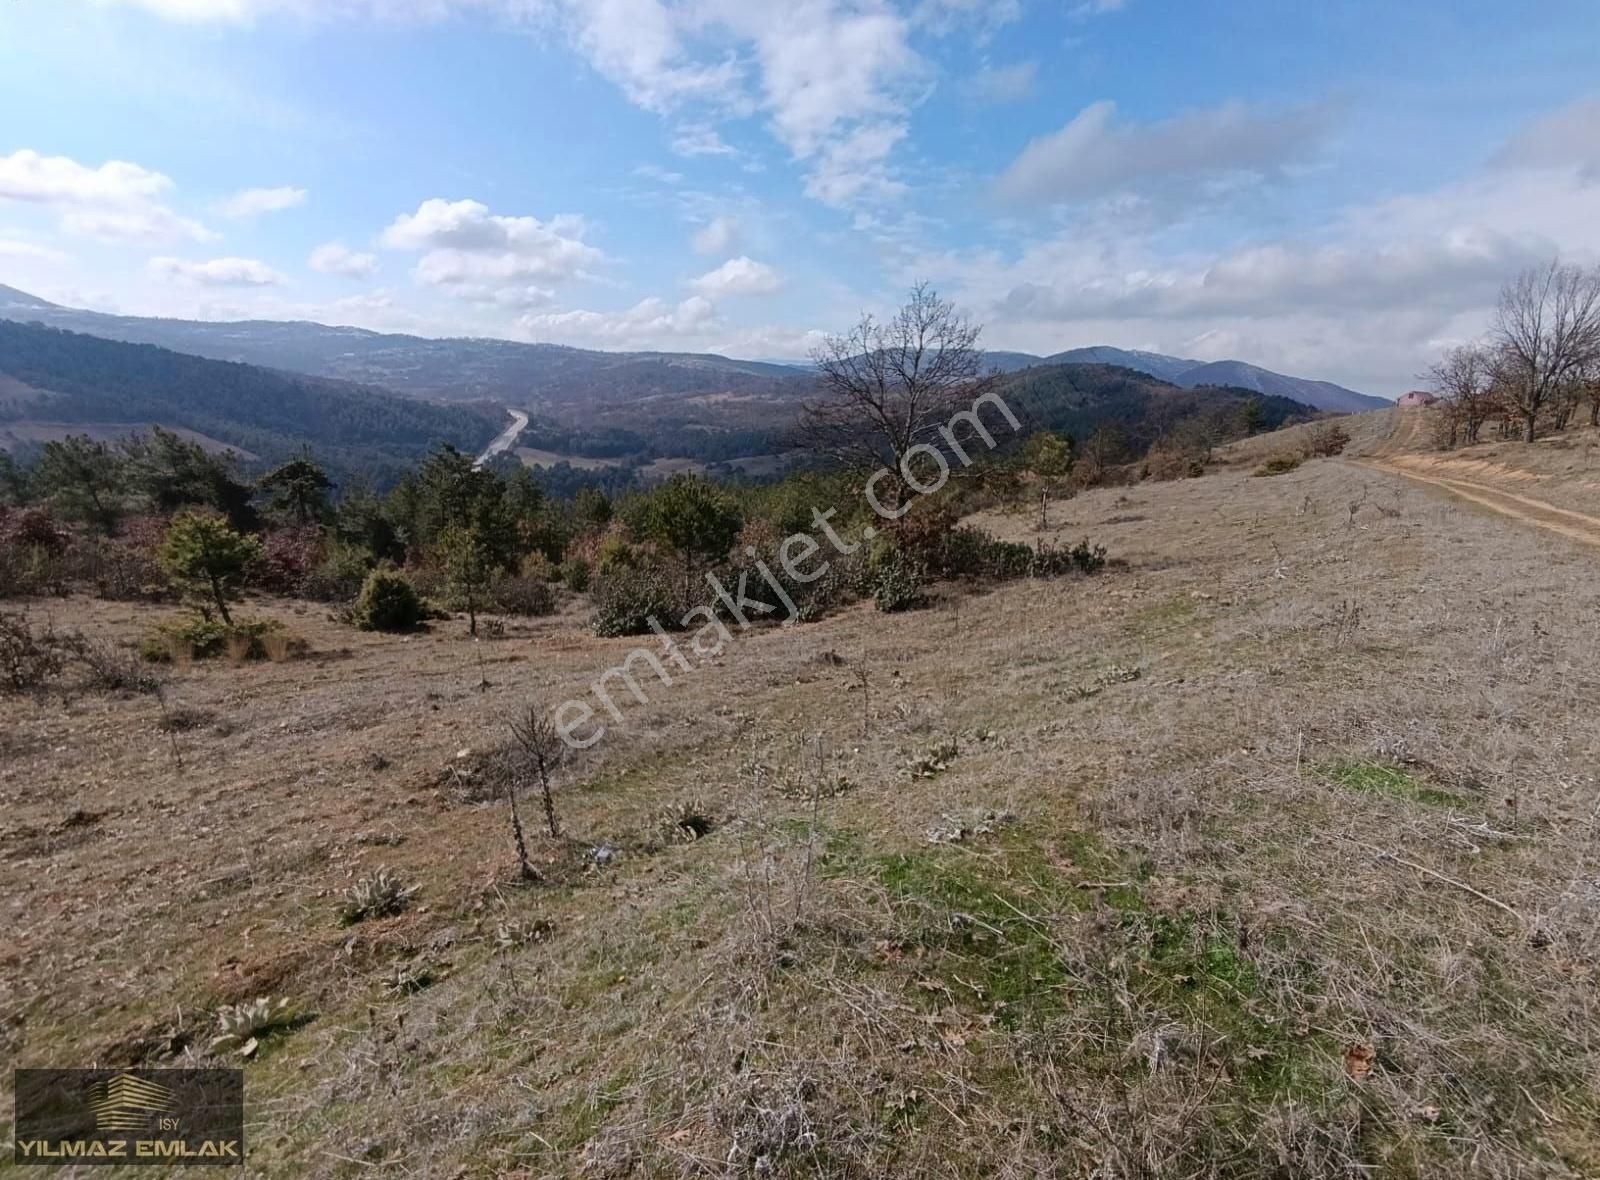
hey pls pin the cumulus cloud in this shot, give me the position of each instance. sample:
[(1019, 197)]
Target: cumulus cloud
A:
[(820, 70), (485, 257), (26, 175), (717, 236), (739, 276), (252, 202), (1094, 154), (1369, 300), (113, 202), (335, 258), (216, 272)]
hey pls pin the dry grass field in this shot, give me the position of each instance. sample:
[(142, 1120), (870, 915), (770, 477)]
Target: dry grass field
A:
[(1272, 850)]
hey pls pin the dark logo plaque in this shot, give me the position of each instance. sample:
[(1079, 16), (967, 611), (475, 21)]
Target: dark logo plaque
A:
[(129, 1116)]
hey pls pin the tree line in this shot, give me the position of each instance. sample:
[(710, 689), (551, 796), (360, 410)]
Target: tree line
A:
[(1536, 367)]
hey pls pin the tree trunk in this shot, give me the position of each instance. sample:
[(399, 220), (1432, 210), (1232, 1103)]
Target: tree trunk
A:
[(222, 605), (1530, 421)]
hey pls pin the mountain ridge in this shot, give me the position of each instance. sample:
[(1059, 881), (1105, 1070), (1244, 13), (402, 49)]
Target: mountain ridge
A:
[(548, 375)]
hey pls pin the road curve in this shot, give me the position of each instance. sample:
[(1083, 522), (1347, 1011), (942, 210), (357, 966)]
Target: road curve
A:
[(506, 438), (1578, 526)]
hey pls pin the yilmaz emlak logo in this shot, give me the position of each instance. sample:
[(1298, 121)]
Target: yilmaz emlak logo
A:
[(129, 1116)]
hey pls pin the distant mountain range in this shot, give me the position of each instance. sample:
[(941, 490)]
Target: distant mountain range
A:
[(54, 382), (470, 369), (554, 378), (1191, 374)]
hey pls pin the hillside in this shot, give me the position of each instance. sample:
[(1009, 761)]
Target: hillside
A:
[(569, 381), (1078, 399), (442, 369), (1266, 852), (1191, 374), (69, 378)]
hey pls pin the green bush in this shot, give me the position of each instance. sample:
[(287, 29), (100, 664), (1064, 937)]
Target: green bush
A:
[(575, 574), (203, 639), (388, 602), (1278, 465), (897, 582), (626, 601), (339, 576)]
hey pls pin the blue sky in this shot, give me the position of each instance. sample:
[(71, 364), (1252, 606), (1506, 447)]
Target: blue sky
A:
[(1333, 190)]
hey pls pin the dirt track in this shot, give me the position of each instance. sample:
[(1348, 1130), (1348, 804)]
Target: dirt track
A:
[(1399, 456)]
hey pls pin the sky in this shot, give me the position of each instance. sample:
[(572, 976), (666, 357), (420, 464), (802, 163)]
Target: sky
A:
[(1332, 190)]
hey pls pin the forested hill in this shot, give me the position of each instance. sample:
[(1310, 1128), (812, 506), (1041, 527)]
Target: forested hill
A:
[(1079, 399), (78, 378)]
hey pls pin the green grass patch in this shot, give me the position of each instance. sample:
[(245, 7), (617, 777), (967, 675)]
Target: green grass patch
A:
[(1376, 778), (1006, 931)]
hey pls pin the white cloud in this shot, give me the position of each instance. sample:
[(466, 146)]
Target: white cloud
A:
[(638, 45), (147, 225), (717, 236), (252, 202), (854, 167), (13, 248), (335, 258), (1565, 138), (821, 70), (739, 276), (659, 174), (475, 254), (697, 139), (114, 202), (216, 272), (1368, 301), (1093, 155), (650, 321), (1097, 8), (58, 180), (999, 84)]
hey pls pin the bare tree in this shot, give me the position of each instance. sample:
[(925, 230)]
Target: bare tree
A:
[(1464, 381), (888, 386), (541, 748), (1546, 334)]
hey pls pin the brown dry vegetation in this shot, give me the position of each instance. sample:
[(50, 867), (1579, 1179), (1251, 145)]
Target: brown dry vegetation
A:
[(1270, 851)]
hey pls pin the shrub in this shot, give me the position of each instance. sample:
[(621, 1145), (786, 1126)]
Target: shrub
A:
[(377, 896), (388, 602), (1278, 465), (111, 668), (627, 600), (521, 594), (615, 554), (1326, 439), (897, 582), (288, 556), (122, 572), (538, 566), (27, 659), (240, 1027), (575, 574), (202, 639), (339, 576), (1169, 461), (32, 528)]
